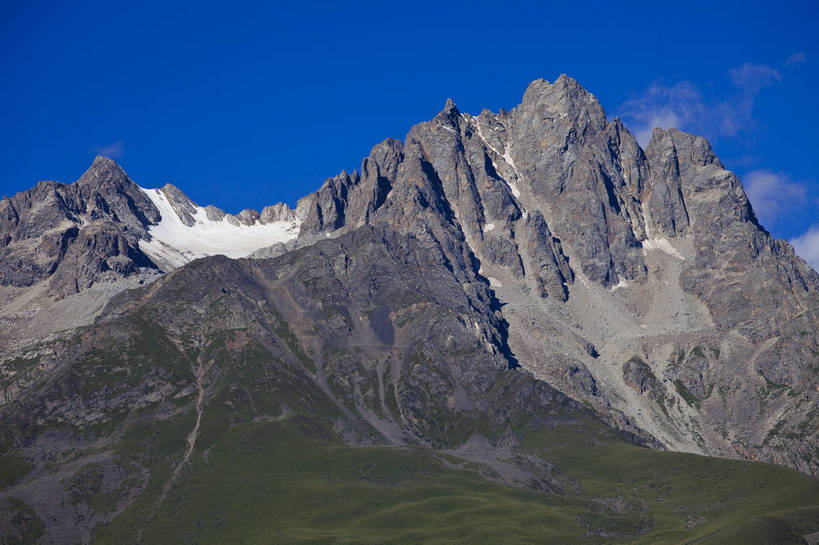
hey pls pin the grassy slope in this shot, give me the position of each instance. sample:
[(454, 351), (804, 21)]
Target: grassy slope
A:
[(291, 481), (735, 501)]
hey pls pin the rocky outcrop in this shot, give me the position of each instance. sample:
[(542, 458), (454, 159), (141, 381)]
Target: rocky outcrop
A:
[(75, 235), (551, 269), (277, 212), (182, 205)]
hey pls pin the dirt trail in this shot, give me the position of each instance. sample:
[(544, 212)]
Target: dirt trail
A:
[(199, 371)]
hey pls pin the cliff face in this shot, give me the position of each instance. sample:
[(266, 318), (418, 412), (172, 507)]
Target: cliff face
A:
[(601, 252)]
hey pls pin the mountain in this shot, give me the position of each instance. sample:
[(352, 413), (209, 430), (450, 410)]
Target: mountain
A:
[(65, 250), (506, 307)]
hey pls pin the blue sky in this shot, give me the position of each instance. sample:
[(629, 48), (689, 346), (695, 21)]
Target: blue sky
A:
[(246, 104)]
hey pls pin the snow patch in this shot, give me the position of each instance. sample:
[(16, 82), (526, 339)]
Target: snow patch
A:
[(512, 186), (506, 157), (623, 283), (174, 243), (645, 219), (494, 282), (488, 227), (663, 245)]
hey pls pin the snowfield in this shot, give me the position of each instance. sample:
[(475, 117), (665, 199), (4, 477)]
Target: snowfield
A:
[(173, 243)]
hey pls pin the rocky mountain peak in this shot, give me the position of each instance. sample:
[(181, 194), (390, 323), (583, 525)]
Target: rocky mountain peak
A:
[(104, 175), (564, 100), (173, 192), (450, 111), (593, 249), (248, 216), (384, 158), (75, 235), (106, 190)]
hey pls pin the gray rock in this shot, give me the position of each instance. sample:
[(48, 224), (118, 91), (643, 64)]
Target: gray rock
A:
[(182, 205), (571, 159), (638, 375), (214, 214), (277, 212), (248, 216), (550, 269)]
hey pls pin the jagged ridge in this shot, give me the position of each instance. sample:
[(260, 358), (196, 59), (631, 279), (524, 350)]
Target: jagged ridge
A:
[(601, 254)]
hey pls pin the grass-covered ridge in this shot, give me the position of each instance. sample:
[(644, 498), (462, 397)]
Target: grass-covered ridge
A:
[(293, 481)]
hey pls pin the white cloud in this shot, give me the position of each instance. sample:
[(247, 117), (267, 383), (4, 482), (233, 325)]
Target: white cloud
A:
[(112, 151), (750, 78), (776, 198), (807, 246), (683, 106), (796, 58), (772, 194), (676, 106)]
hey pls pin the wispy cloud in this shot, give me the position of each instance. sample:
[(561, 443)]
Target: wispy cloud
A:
[(773, 194), (666, 106), (112, 151), (683, 106), (750, 78), (777, 198), (796, 58), (807, 246)]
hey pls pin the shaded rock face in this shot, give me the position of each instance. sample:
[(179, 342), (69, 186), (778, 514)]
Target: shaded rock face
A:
[(582, 250), (75, 234), (374, 318), (549, 266), (94, 252)]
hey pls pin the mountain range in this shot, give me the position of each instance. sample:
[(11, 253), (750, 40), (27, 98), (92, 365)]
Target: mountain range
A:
[(510, 327)]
